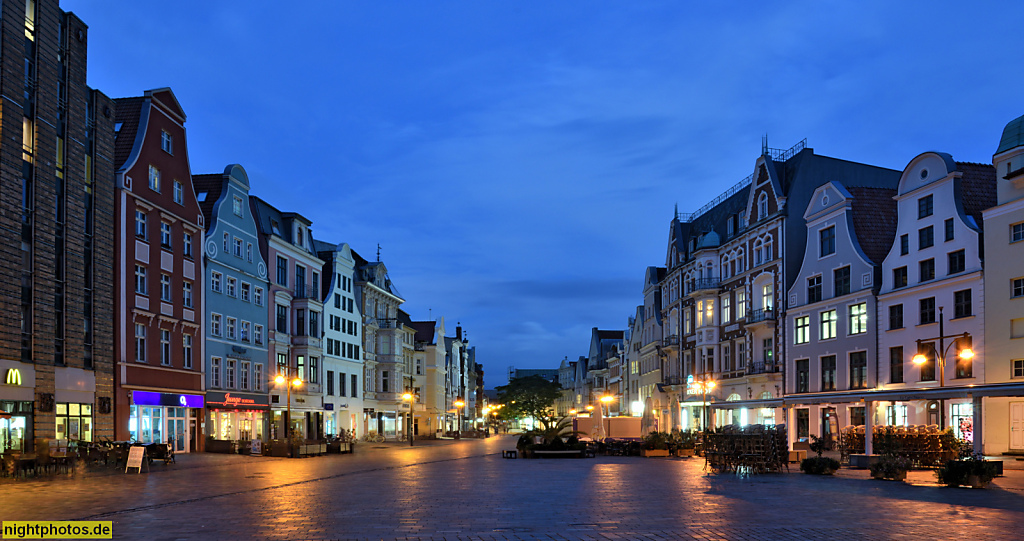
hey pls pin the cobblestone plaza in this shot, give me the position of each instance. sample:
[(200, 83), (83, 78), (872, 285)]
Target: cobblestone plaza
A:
[(465, 490)]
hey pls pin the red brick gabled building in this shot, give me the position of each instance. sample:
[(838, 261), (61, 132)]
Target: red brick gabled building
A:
[(158, 298)]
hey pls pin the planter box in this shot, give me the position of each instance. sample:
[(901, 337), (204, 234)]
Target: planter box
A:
[(653, 452), (863, 461), (685, 453), (280, 448), (219, 446)]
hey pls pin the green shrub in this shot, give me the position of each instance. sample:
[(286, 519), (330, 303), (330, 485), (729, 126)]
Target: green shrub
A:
[(890, 467), (818, 465)]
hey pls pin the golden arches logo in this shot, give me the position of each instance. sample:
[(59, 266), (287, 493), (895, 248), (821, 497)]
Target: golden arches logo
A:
[(13, 376)]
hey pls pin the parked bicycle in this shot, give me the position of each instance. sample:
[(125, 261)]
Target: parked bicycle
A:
[(373, 437)]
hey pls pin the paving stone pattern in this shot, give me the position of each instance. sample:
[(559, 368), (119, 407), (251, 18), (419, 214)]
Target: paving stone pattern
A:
[(465, 490)]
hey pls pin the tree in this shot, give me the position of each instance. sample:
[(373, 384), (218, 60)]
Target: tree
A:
[(530, 396)]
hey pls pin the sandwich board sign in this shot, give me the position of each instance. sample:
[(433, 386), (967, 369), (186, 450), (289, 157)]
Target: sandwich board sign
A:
[(135, 456)]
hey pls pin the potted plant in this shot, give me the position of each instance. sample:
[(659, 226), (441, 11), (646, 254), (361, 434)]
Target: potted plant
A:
[(655, 444), (975, 471), (891, 467), (819, 465), (686, 444)]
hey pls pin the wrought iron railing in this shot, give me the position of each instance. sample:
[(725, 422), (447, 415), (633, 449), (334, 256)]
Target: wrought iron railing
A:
[(755, 316)]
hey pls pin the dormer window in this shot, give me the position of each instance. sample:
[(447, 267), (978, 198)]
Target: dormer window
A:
[(762, 206), (275, 227), (299, 233)]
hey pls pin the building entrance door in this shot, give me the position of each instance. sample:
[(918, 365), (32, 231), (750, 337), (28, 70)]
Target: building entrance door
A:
[(192, 433), (1017, 425)]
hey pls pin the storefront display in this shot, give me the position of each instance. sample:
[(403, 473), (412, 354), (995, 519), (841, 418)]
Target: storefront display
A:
[(74, 422), (16, 430), (165, 418), (237, 416)]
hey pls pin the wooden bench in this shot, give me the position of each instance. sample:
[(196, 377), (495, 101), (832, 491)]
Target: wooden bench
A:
[(511, 453)]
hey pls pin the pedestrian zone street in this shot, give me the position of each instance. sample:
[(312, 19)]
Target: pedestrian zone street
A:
[(464, 489)]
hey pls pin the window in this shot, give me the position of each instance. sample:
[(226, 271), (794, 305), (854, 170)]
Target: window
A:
[(355, 385), (186, 294), (924, 207), (215, 372), (186, 350), (166, 142), (687, 324), (227, 242), (257, 376), (928, 366), (927, 312), (300, 367), (179, 196), (257, 296), (828, 373), (1017, 287), (140, 342), (314, 324), (859, 318), (329, 380), (215, 279), (257, 334), (925, 237), (140, 224), (314, 370), (762, 206), (140, 280), (726, 309), (802, 375), (827, 237), (282, 271), (300, 279), (957, 262), (767, 299), (964, 367), (337, 301), (248, 252), (165, 288), (741, 305), (962, 303), (766, 351), (165, 347), (814, 289), (385, 381), (154, 179), (896, 364), (188, 245), (899, 277), (896, 317), (245, 291), (842, 281), (231, 283), (215, 324), (229, 326), (229, 374), (341, 384), (803, 423), (803, 330), (165, 235), (1018, 368), (237, 245), (243, 375), (926, 269), (236, 206), (904, 244), (828, 325), (244, 332), (948, 224), (282, 319), (858, 370), (1017, 232)]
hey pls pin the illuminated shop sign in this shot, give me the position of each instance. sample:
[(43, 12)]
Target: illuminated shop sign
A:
[(13, 376), (146, 398), (238, 401)]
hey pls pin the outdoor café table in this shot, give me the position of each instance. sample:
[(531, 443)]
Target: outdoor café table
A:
[(25, 463)]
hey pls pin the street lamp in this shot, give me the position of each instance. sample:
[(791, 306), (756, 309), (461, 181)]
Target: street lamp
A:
[(281, 379), (705, 386), (408, 397), (966, 354), (458, 407)]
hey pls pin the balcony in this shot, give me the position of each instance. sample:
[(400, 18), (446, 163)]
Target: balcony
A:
[(762, 368), (306, 292), (703, 285), (760, 318), (670, 343), (387, 323), (674, 380)]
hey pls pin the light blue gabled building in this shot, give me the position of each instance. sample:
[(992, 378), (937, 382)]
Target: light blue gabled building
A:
[(237, 371)]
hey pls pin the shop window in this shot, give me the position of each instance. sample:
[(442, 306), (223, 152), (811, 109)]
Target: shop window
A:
[(803, 423), (896, 415), (857, 416), (74, 421)]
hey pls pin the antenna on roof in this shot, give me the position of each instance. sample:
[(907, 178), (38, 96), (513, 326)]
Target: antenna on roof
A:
[(764, 144), (430, 314), (677, 211), (378, 252)]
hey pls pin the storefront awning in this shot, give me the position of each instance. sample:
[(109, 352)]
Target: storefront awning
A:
[(906, 394)]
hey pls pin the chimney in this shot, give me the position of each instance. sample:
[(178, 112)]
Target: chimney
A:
[(458, 332)]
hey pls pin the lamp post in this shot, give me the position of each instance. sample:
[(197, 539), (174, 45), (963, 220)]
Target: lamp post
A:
[(458, 408), (409, 397), (706, 386), (573, 412), (606, 401), (283, 379), (965, 353)]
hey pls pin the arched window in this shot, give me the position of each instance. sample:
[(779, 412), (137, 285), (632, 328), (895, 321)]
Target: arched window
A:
[(768, 255), (725, 267), (740, 261), (762, 206), (709, 270), (757, 252)]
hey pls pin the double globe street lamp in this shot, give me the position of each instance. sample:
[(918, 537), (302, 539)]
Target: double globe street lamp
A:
[(283, 379), (409, 398), (965, 353)]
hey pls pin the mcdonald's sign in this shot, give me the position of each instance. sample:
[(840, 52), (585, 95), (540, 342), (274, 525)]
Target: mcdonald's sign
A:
[(13, 376)]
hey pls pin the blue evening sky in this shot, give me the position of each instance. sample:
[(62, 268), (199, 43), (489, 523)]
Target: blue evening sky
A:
[(519, 161)]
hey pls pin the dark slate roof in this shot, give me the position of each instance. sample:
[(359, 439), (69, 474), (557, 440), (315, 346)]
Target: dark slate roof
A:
[(404, 318), (213, 186), (977, 188), (874, 220), (424, 331), (609, 335), (714, 220), (1013, 135), (128, 111), (323, 246)]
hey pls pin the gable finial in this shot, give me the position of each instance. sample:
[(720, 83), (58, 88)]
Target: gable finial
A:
[(677, 211), (378, 252), (764, 144)]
